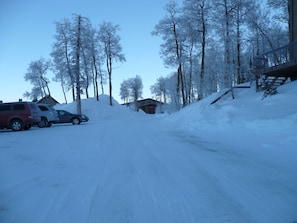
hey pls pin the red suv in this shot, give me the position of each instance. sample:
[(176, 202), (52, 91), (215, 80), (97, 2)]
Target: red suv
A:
[(18, 115)]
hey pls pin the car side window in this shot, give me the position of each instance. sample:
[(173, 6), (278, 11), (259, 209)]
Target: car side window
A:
[(19, 107), (43, 108), (4, 108)]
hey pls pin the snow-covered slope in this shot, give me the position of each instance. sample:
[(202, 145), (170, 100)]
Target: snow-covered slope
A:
[(248, 121), (234, 161), (248, 109)]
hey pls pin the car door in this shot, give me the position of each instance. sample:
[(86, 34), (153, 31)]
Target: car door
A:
[(63, 116)]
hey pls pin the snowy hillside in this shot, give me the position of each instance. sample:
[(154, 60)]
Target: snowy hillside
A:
[(248, 121), (234, 161)]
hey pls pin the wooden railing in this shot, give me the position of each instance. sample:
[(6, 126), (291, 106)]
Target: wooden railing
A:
[(276, 57)]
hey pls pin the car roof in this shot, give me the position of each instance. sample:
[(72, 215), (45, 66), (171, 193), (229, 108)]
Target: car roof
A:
[(44, 105), (17, 102)]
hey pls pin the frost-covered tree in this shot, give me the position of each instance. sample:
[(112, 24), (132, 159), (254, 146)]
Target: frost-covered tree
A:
[(77, 43), (172, 50), (97, 58), (280, 10), (217, 40), (136, 89), (62, 54), (242, 11), (159, 89), (125, 91), (62, 58), (131, 90), (266, 34), (110, 44), (36, 74), (197, 14), (225, 17), (88, 52), (72, 56), (174, 97)]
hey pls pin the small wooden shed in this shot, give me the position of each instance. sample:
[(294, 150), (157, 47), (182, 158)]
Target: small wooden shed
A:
[(49, 100), (148, 105)]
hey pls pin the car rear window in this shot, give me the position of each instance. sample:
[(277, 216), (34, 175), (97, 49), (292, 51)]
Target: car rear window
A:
[(4, 108), (43, 108), (19, 107)]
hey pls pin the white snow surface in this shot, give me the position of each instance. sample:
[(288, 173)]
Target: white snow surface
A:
[(233, 161)]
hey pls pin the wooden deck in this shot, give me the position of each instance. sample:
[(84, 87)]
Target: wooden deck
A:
[(288, 69), (281, 62)]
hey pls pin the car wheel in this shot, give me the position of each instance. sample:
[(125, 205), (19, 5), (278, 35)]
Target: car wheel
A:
[(75, 121), (49, 124), (43, 123), (16, 125)]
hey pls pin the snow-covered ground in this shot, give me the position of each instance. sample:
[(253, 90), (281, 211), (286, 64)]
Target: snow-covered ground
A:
[(234, 161)]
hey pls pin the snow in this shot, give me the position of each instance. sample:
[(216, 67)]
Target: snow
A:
[(233, 161)]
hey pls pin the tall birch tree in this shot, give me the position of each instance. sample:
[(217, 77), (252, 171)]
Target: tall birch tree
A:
[(197, 14), (112, 49), (62, 57), (172, 49)]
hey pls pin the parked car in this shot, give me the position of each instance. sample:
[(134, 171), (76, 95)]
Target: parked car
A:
[(48, 115), (19, 115), (67, 117)]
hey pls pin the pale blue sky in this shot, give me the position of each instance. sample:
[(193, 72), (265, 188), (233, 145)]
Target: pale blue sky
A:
[(27, 33)]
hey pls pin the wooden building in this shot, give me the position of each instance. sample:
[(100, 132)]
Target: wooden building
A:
[(279, 65), (49, 100), (148, 105)]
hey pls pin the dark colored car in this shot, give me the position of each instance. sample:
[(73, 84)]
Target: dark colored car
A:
[(19, 115), (67, 117)]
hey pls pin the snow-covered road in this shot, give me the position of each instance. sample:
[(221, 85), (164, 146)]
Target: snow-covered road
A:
[(137, 168), (155, 180)]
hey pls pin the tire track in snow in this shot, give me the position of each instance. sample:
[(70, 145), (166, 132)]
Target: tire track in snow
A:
[(156, 180), (248, 180), (109, 201), (162, 201), (181, 184)]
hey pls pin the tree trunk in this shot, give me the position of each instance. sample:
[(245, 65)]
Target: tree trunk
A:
[(180, 81), (96, 79), (203, 44), (86, 74), (239, 79), (180, 75), (87, 92), (46, 86), (227, 78), (64, 93), (191, 73), (110, 90), (109, 69), (70, 72), (73, 92), (78, 87)]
